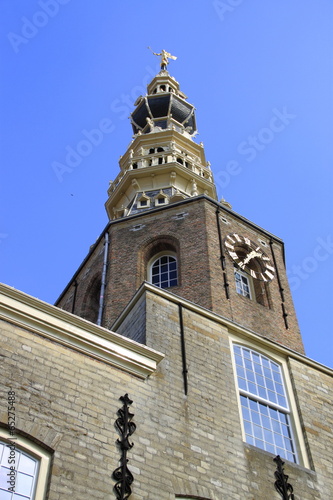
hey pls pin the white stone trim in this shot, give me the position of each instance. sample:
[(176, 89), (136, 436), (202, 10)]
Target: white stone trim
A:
[(72, 331), (233, 327)]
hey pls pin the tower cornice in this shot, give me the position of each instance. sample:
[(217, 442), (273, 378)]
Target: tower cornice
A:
[(160, 167)]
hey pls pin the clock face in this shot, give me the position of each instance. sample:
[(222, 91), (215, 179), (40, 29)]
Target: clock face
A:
[(249, 257)]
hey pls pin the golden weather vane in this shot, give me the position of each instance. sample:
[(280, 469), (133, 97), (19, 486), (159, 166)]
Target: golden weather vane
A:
[(165, 56)]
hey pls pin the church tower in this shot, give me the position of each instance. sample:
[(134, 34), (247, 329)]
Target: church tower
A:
[(182, 311), (167, 228)]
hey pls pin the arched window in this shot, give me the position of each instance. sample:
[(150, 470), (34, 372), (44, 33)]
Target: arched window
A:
[(24, 468), (264, 404), (91, 300), (163, 270)]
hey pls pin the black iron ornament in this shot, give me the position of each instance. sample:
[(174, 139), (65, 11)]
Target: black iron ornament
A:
[(126, 428), (281, 484)]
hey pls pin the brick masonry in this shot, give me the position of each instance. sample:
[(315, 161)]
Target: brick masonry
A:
[(194, 238)]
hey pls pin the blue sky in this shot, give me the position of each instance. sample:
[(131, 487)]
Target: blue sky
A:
[(71, 66)]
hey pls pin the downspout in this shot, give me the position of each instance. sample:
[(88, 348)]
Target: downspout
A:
[(281, 290), (183, 349), (74, 296), (222, 256), (103, 282)]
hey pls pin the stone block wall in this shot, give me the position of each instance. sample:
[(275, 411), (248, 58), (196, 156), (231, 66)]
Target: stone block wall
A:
[(189, 445)]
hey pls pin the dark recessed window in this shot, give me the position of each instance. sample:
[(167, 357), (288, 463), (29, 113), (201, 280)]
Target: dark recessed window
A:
[(164, 271), (242, 284)]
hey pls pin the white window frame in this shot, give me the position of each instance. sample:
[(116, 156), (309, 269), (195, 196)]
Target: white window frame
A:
[(143, 198), (43, 457), (161, 196), (249, 284), (295, 425), (155, 258)]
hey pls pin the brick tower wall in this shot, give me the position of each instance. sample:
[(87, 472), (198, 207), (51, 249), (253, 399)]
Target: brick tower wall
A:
[(190, 229)]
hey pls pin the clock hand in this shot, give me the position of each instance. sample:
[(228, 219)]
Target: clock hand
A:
[(249, 257)]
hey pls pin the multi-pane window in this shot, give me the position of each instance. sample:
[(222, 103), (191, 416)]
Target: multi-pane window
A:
[(242, 284), (164, 271), (23, 473), (264, 404)]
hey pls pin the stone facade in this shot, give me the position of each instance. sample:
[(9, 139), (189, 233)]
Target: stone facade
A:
[(189, 446)]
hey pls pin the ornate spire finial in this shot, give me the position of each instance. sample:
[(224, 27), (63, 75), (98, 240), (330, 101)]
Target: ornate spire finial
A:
[(165, 56)]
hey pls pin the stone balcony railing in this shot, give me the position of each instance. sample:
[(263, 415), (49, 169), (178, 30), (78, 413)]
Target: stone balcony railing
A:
[(163, 158)]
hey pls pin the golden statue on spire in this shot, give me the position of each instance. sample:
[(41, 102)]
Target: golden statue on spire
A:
[(165, 56)]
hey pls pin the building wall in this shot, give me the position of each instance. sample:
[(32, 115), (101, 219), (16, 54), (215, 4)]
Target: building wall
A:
[(183, 445), (128, 261), (195, 239), (266, 320), (315, 398), (82, 293)]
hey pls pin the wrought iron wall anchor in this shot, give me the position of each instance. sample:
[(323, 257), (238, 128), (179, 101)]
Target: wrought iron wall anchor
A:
[(125, 427), (281, 484)]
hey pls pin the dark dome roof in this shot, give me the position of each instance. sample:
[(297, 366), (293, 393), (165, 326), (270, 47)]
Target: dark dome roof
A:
[(160, 107)]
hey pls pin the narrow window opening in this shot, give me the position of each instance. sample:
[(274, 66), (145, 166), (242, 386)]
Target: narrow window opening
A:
[(242, 284)]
